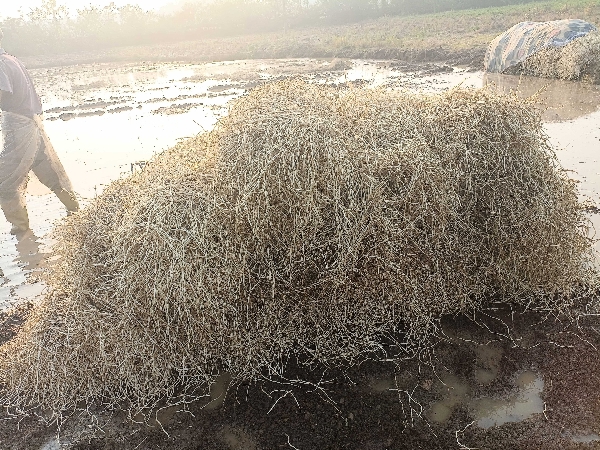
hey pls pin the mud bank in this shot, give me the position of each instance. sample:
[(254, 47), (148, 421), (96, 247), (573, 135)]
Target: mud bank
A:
[(261, 48)]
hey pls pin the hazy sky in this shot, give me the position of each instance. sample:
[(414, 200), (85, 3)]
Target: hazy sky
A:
[(11, 8)]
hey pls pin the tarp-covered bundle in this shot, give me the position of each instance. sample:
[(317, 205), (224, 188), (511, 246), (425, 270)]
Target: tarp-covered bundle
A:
[(528, 38)]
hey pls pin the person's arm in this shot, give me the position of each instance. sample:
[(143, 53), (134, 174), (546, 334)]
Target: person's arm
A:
[(5, 81)]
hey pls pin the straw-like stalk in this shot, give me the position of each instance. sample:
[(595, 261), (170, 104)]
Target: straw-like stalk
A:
[(578, 60), (312, 222)]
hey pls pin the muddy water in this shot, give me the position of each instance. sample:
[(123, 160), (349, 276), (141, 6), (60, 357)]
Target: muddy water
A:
[(521, 405), (105, 120), (524, 402)]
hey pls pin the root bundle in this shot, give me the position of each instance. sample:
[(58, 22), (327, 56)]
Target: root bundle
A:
[(312, 223), (578, 60)]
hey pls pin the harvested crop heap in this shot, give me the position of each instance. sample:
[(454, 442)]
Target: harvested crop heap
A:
[(313, 222), (579, 60)]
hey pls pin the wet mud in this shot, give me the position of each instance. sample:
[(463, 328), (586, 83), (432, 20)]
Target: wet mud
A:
[(12, 320), (532, 387), (543, 397)]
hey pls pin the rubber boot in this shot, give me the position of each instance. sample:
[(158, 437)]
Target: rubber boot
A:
[(15, 211), (68, 199)]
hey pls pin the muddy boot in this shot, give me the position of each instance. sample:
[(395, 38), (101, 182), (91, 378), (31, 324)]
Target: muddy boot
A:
[(68, 199), (28, 247), (15, 212)]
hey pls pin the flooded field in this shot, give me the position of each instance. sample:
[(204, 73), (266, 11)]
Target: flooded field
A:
[(107, 120)]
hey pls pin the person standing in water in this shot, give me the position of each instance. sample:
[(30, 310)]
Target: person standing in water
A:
[(26, 146)]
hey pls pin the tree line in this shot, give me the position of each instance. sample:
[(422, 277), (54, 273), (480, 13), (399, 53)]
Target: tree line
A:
[(52, 28)]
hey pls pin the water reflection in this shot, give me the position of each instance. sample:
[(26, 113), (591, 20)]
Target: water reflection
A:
[(21, 260), (562, 100)]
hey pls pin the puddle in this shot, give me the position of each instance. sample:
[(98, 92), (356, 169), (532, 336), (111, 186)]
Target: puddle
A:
[(20, 261), (53, 444), (488, 411), (578, 143), (585, 438), (455, 392), (562, 100), (104, 118), (491, 412)]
